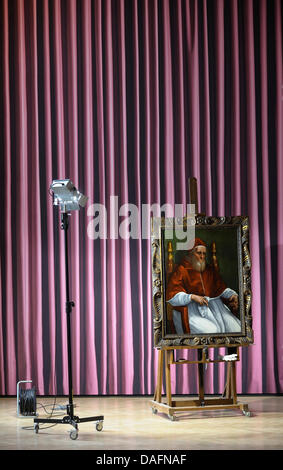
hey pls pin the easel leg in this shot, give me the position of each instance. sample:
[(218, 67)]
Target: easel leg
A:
[(227, 390), (233, 387), (200, 377), (233, 382), (158, 390), (230, 390), (168, 378)]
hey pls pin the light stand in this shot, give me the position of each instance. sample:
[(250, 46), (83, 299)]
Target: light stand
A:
[(66, 195)]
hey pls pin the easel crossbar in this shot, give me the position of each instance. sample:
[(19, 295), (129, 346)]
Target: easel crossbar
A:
[(163, 407), (205, 402)]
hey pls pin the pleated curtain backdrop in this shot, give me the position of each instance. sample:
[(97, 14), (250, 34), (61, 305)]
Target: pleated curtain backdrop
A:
[(129, 98)]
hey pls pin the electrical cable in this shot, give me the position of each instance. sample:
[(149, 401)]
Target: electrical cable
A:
[(28, 407)]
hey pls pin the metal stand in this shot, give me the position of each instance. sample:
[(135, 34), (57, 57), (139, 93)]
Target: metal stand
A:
[(70, 418)]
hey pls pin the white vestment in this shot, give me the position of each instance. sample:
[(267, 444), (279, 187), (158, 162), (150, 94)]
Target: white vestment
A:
[(212, 318)]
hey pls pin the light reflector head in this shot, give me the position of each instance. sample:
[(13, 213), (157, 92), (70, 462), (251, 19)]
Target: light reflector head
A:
[(66, 195)]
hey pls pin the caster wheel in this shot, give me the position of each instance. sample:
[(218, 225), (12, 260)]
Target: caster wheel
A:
[(99, 426), (172, 417), (247, 413), (74, 434), (154, 411), (36, 428)]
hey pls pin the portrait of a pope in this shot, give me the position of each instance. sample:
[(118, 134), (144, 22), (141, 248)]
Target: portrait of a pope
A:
[(201, 301)]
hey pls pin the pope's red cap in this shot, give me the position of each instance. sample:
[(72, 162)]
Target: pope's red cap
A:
[(198, 242)]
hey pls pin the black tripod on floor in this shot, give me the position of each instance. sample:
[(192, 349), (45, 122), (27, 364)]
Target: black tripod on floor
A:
[(70, 418)]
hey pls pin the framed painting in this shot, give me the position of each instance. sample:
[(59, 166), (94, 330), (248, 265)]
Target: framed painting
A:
[(201, 289)]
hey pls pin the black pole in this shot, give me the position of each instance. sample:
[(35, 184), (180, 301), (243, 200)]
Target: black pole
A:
[(69, 305)]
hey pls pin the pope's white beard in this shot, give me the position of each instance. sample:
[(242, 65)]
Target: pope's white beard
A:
[(196, 264)]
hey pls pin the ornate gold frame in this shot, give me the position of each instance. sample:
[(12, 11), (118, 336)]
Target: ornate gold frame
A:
[(161, 340)]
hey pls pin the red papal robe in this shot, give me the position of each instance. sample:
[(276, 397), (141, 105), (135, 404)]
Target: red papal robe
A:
[(186, 279)]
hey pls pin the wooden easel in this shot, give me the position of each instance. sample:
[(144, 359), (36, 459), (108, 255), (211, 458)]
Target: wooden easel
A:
[(166, 360)]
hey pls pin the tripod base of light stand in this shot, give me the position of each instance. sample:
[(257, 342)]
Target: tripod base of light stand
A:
[(72, 420)]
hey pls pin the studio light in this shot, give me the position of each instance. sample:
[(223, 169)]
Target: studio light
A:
[(69, 199), (66, 195)]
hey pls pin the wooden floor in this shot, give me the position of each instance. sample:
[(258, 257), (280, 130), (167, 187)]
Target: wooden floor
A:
[(129, 424)]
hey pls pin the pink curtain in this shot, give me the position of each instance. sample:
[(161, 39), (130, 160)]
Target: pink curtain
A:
[(129, 98)]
